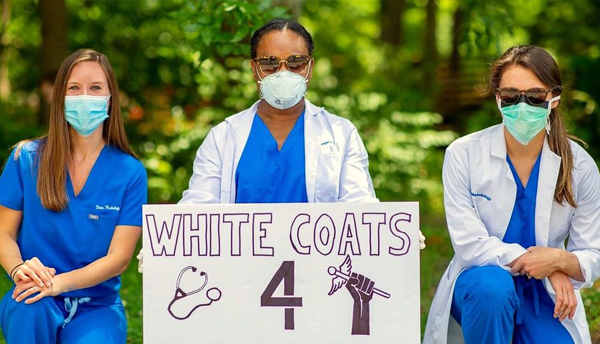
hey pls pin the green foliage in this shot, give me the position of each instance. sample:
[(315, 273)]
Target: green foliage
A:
[(372, 84), (223, 28), (183, 66), (591, 300)]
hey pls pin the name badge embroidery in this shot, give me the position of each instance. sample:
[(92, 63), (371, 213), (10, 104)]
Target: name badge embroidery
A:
[(103, 207), (481, 195), (107, 207)]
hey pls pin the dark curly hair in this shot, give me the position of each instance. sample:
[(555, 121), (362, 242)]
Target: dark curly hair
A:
[(280, 24)]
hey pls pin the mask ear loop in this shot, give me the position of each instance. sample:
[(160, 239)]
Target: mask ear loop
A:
[(308, 70), (260, 81), (306, 77), (108, 105), (499, 105), (547, 126)]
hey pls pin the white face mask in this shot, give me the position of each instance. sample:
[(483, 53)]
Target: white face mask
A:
[(284, 89)]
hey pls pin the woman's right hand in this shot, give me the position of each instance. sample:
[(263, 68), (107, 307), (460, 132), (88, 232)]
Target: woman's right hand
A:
[(566, 302), (33, 270), (27, 290), (140, 258)]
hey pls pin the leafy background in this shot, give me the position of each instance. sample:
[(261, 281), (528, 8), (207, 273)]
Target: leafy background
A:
[(410, 74)]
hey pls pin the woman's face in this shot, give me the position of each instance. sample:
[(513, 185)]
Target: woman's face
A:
[(280, 44), (523, 79), (87, 78)]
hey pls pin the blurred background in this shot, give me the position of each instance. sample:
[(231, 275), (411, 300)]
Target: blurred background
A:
[(410, 74)]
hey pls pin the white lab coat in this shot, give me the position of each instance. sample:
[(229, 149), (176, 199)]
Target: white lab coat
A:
[(336, 161), (479, 195)]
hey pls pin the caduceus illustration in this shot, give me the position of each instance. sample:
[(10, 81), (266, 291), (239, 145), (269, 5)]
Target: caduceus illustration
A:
[(361, 289)]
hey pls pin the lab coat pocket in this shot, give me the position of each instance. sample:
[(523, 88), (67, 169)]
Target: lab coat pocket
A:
[(96, 233), (560, 223), (328, 175)]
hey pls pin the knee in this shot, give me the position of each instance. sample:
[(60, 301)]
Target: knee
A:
[(18, 319), (23, 312), (493, 287)]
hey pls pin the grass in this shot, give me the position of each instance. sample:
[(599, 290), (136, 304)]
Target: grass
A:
[(434, 260)]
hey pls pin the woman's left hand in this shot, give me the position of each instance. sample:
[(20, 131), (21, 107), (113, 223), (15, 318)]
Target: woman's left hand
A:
[(25, 289), (566, 301), (539, 263), (421, 240)]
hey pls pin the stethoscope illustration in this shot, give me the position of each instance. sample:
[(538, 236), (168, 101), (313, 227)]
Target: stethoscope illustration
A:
[(213, 294)]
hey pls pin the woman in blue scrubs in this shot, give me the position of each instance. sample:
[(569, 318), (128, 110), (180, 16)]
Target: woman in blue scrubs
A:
[(283, 149), (522, 202), (70, 214)]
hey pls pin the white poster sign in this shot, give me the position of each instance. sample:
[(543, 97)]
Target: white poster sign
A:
[(281, 273)]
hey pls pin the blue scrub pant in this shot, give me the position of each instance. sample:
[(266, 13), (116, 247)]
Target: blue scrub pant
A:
[(101, 321), (487, 301)]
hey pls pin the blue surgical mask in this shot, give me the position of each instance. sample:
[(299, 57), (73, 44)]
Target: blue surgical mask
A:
[(86, 113), (525, 121), (284, 89)]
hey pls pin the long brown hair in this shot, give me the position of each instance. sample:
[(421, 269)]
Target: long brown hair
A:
[(53, 150), (543, 65)]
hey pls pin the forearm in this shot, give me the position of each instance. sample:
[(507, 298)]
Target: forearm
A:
[(94, 273), (10, 254), (364, 318), (568, 263), (113, 264), (356, 318)]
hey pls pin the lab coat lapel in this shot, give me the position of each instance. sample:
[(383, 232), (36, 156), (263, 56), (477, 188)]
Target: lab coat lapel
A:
[(498, 150), (313, 134), (548, 176), (505, 183), (237, 136)]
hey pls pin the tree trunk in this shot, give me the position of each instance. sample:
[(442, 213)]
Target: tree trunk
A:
[(456, 35), (53, 16), (449, 103), (391, 21), (4, 79), (430, 56), (295, 6)]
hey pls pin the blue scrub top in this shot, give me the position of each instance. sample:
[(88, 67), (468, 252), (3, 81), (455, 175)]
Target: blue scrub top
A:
[(521, 230), (75, 237), (267, 175)]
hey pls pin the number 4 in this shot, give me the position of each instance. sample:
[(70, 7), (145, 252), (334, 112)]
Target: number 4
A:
[(285, 274)]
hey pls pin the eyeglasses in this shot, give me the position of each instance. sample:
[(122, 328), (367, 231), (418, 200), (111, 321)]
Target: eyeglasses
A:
[(271, 64), (534, 96)]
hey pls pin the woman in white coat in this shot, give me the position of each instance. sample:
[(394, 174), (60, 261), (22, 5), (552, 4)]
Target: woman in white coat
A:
[(283, 148), (522, 203)]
